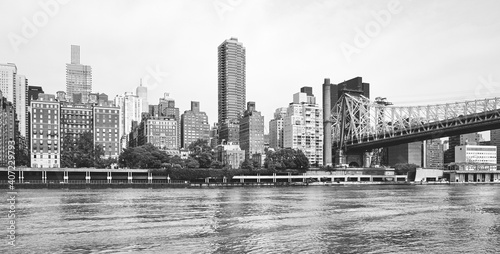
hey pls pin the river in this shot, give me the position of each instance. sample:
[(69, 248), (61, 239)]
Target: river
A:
[(314, 219)]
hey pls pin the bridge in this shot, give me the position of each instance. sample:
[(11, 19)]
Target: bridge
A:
[(359, 124)]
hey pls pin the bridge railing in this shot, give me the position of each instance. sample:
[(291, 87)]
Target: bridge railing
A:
[(365, 120)]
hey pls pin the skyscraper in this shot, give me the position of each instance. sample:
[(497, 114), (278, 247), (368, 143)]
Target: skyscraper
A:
[(21, 99), (166, 108), (78, 76), (142, 92), (8, 74), (7, 128), (194, 125), (352, 86), (231, 89)]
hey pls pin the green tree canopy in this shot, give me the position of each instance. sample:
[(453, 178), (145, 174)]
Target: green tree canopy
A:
[(202, 153), (145, 156), (81, 152), (286, 159)]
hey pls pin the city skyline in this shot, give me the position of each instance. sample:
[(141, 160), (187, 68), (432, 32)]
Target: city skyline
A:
[(287, 49)]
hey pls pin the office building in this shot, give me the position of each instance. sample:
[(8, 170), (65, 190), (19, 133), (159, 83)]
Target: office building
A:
[(252, 133), (45, 132), (495, 141), (231, 89), (194, 125), (459, 140), (276, 129), (78, 78), (303, 127), (477, 157)]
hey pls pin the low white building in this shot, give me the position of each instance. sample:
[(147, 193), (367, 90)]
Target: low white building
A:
[(476, 154)]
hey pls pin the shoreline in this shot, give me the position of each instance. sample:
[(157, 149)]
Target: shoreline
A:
[(217, 185)]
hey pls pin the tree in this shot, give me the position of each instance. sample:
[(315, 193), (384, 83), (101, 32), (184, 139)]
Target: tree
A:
[(81, 152), (247, 164), (286, 159), (202, 152), (145, 156), (21, 151), (192, 163)]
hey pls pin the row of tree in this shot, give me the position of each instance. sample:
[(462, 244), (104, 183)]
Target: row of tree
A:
[(83, 153)]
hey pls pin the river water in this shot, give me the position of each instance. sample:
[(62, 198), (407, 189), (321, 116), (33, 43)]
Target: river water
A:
[(314, 219)]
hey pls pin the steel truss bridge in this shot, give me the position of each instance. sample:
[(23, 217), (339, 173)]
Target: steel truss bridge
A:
[(360, 125)]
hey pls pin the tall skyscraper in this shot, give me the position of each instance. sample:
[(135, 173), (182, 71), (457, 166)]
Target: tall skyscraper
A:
[(231, 89), (434, 154), (194, 125), (252, 133), (142, 92), (303, 127), (78, 77)]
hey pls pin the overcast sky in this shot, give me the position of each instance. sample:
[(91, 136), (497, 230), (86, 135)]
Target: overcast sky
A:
[(412, 52)]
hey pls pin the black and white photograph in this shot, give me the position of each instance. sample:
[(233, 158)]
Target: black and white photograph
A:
[(250, 126)]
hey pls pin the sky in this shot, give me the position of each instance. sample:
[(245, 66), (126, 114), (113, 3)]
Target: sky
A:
[(411, 52)]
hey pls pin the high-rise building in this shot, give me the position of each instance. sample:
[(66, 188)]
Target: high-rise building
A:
[(194, 125), (45, 132), (276, 129), (33, 92), (352, 86), (230, 155), (231, 89), (78, 77), (434, 154), (8, 75), (214, 135), (130, 110), (7, 128), (142, 92), (459, 140), (106, 129), (303, 127), (21, 96), (252, 133)]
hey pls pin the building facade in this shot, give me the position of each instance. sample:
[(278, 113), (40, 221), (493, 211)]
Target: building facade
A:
[(161, 132), (231, 88), (194, 125), (252, 132), (106, 130), (303, 128), (276, 129), (459, 140), (476, 154), (8, 129), (130, 110), (230, 155), (45, 135), (434, 154), (166, 108), (78, 77), (8, 75), (352, 86)]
